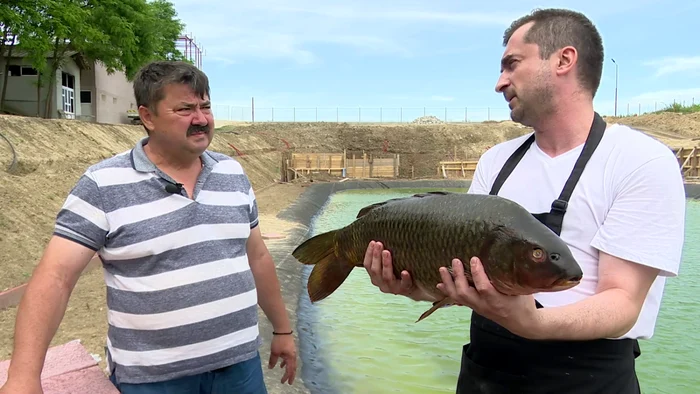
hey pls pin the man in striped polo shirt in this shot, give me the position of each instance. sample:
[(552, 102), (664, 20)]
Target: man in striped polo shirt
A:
[(185, 265)]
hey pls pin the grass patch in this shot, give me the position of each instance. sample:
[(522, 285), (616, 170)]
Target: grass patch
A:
[(680, 108)]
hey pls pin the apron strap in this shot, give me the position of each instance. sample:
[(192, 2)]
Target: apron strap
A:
[(510, 164), (555, 218)]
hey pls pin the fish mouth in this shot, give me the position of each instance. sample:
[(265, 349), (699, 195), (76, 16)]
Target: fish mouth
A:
[(567, 283)]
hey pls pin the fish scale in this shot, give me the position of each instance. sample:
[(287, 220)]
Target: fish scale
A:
[(426, 231)]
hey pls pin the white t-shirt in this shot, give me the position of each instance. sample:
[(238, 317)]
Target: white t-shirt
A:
[(629, 202)]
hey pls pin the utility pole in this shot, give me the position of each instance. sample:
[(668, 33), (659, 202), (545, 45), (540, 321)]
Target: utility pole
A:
[(613, 60)]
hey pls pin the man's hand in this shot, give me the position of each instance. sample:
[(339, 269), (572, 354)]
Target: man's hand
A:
[(271, 302), (518, 314), (283, 346), (378, 264)]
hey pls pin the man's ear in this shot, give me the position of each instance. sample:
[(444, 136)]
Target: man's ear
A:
[(146, 117), (567, 58)]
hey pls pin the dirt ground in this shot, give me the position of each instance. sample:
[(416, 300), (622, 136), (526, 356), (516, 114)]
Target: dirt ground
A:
[(672, 125), (421, 146), (52, 154)]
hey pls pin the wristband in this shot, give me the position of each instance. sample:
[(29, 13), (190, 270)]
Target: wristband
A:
[(282, 333)]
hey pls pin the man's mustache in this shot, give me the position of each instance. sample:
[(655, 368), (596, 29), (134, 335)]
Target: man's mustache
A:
[(196, 128)]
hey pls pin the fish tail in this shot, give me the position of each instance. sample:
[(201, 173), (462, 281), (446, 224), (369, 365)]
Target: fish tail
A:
[(329, 270)]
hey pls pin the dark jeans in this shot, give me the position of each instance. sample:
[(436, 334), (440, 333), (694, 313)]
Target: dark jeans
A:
[(243, 378)]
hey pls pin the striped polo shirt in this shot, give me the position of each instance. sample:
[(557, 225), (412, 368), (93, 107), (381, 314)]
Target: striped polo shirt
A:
[(181, 297)]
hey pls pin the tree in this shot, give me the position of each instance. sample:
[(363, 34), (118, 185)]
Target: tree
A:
[(121, 34), (21, 22), (135, 33), (66, 25)]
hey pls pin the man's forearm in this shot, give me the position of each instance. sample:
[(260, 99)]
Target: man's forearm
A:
[(269, 295), (609, 314), (39, 314)]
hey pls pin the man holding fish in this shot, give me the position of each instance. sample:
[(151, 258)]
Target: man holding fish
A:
[(614, 195)]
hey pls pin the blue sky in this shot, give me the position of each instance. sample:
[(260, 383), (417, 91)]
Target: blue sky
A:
[(417, 54)]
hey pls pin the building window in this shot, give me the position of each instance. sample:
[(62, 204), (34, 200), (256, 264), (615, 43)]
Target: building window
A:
[(26, 70), (85, 97), (67, 80), (15, 70)]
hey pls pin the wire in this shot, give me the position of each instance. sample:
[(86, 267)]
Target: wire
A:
[(13, 164)]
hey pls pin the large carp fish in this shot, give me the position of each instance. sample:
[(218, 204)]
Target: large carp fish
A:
[(426, 231)]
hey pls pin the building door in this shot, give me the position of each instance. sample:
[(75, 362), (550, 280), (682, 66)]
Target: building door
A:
[(68, 94), (86, 104)]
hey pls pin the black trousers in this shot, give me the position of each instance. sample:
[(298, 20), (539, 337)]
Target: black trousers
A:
[(499, 362)]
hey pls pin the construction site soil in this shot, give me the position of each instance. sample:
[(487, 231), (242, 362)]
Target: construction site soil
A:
[(50, 155)]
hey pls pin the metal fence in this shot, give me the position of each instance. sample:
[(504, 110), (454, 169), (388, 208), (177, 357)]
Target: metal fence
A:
[(358, 114), (402, 114)]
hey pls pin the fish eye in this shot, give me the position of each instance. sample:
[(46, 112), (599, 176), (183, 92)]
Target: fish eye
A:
[(537, 253)]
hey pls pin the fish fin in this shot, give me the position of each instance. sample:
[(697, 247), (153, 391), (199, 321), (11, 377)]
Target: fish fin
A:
[(370, 207), (329, 270), (436, 305), (365, 210), (467, 273), (316, 248), (434, 193), (499, 233)]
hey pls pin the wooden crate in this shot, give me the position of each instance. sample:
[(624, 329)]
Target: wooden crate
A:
[(295, 165), (689, 161), (457, 169), (372, 166)]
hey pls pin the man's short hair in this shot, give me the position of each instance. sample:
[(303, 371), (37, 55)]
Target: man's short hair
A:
[(151, 80), (554, 29)]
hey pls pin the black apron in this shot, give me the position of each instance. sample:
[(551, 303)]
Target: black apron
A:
[(497, 361)]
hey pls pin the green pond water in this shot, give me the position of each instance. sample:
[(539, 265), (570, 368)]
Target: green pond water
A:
[(370, 343)]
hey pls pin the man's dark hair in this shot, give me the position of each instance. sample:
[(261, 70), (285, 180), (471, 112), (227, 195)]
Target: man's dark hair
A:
[(554, 29), (151, 80)]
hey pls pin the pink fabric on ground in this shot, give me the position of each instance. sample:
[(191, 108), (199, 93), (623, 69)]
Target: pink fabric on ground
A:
[(69, 368)]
